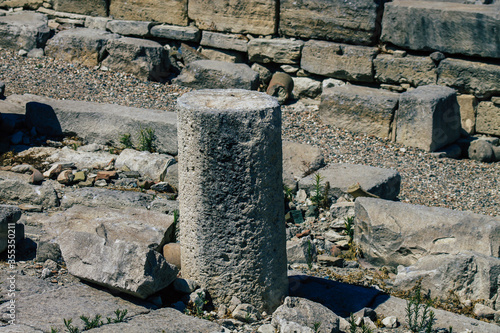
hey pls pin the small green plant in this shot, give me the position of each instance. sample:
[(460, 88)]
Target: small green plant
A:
[(70, 327), (419, 317), (353, 328), (198, 306), (288, 193), (126, 140), (120, 316), (92, 323), (309, 257), (53, 330), (317, 197), (147, 140), (349, 228), (248, 318), (316, 326)]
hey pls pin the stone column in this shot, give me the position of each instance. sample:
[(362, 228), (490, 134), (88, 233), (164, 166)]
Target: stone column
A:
[(232, 229)]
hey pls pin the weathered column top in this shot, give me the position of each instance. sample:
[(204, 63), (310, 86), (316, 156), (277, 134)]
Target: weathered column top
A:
[(226, 100)]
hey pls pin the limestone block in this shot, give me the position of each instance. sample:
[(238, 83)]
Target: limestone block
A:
[(86, 119), (99, 197), (300, 159), (96, 22), (428, 118), (488, 118), (129, 28), (144, 58), (417, 71), (306, 87), (153, 166), (164, 11), (189, 34), (431, 25), (384, 183), (395, 233), (218, 74), (359, 109), (251, 16), (340, 61), (23, 30), (279, 50), (470, 275), (232, 233), (28, 4), (351, 22), (223, 55), (301, 251), (80, 45), (85, 7), (468, 108), (224, 41), (15, 190), (470, 77)]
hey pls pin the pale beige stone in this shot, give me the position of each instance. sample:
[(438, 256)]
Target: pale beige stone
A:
[(85, 7), (468, 107), (488, 118), (165, 11), (237, 16)]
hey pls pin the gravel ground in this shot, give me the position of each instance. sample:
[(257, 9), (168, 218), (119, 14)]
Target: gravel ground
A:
[(426, 180)]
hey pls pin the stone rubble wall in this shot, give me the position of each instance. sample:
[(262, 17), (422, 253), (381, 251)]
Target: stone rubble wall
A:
[(396, 46)]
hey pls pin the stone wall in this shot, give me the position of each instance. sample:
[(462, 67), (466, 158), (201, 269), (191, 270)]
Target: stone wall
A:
[(396, 45)]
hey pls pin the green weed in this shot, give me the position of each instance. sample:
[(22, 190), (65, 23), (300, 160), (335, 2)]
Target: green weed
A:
[(147, 140), (126, 140), (419, 317)]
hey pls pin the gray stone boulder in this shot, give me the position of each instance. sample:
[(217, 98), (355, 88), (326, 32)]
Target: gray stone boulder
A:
[(417, 71), (224, 41), (241, 16), (84, 7), (301, 251), (306, 87), (340, 61), (394, 233), (81, 159), (130, 28), (384, 183), (80, 45), (428, 118), (218, 75), (359, 109), (307, 314), (298, 160), (471, 77), (420, 25), (119, 249), (153, 166), (188, 34), (164, 11), (351, 22), (23, 31), (98, 197), (86, 119), (9, 229), (469, 275), (167, 318), (144, 58), (279, 50), (488, 118), (19, 191)]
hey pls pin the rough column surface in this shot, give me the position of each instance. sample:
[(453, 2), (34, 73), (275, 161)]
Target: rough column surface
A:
[(232, 231)]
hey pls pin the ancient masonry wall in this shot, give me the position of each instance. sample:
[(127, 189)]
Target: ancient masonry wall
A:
[(396, 45)]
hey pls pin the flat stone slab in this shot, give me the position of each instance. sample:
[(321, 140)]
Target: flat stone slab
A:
[(47, 310), (224, 41), (129, 28), (359, 109), (395, 233), (97, 197), (15, 188), (279, 50), (420, 25), (23, 30), (188, 34), (167, 319), (417, 71), (384, 183), (86, 120)]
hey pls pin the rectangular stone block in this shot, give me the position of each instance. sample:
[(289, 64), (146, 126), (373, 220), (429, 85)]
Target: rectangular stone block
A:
[(430, 25), (85, 7), (417, 71), (336, 20), (428, 118), (188, 34), (129, 28), (488, 118), (237, 16), (279, 50), (359, 109), (164, 11), (31, 4), (470, 77), (224, 41), (468, 107), (96, 22), (340, 61)]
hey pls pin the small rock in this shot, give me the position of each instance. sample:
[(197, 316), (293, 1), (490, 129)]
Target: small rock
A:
[(330, 261), (172, 254), (23, 168), (30, 208), (235, 301), (222, 311), (22, 53), (106, 175), (66, 177), (437, 57), (390, 322), (481, 150), (50, 264), (483, 311), (46, 273), (303, 233), (162, 187), (246, 313), (100, 183), (36, 177), (80, 176), (53, 171), (35, 53)]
